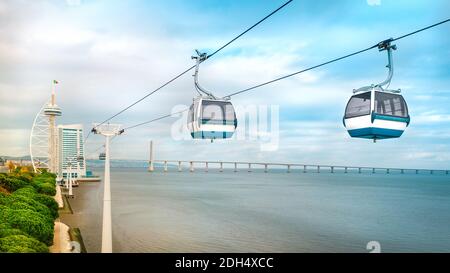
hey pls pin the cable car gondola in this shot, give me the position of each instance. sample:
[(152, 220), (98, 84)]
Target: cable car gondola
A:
[(210, 117), (374, 112), (102, 156)]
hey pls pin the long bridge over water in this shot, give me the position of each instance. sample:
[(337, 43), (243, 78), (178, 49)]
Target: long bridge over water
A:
[(250, 166)]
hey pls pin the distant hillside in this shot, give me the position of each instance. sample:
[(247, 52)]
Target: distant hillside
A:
[(93, 163), (26, 157), (119, 163)]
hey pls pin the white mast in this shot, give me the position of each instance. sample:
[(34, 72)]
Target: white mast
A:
[(108, 131), (52, 111), (43, 137)]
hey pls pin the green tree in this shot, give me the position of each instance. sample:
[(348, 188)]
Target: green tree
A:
[(21, 244)]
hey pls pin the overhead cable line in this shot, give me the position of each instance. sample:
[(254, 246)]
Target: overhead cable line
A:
[(86, 138), (301, 71), (335, 60), (250, 28), (148, 95), (422, 29), (156, 119), (101, 146), (192, 67)]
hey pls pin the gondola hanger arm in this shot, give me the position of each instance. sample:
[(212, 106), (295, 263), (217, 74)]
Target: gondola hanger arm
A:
[(386, 45), (383, 45), (201, 57)]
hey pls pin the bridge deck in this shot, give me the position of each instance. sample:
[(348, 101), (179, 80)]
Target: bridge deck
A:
[(289, 166)]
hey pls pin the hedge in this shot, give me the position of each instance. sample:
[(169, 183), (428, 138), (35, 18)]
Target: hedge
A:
[(33, 223), (46, 188), (21, 244), (25, 177), (26, 191), (27, 211), (6, 231), (12, 183), (44, 184), (48, 201), (24, 203), (28, 197)]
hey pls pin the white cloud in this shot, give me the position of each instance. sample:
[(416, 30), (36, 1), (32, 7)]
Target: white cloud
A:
[(431, 117), (14, 142), (73, 2), (420, 155), (57, 36), (104, 68), (374, 2), (3, 8)]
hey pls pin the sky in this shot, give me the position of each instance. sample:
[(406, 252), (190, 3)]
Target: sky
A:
[(107, 54)]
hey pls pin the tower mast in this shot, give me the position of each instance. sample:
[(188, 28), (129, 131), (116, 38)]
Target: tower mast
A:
[(52, 111)]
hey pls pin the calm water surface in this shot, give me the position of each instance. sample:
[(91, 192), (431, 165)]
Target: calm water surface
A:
[(275, 212)]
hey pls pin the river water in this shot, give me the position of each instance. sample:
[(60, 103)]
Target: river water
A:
[(259, 212)]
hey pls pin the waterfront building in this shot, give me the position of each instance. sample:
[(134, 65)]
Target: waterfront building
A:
[(71, 150)]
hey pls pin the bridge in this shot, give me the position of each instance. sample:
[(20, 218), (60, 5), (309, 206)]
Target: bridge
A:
[(250, 166)]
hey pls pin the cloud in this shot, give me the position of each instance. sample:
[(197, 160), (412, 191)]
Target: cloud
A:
[(14, 142), (3, 8), (73, 2), (431, 117), (111, 60), (420, 155), (374, 2), (57, 36)]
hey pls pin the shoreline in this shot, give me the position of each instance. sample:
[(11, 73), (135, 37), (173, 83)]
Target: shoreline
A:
[(61, 238), (66, 239), (84, 206)]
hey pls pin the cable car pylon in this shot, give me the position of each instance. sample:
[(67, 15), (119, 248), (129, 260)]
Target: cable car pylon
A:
[(108, 131)]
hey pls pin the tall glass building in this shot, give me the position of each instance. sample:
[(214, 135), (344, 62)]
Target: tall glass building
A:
[(71, 150)]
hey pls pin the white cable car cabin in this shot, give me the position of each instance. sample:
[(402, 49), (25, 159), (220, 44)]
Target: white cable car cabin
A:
[(377, 113), (210, 117), (102, 156)]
